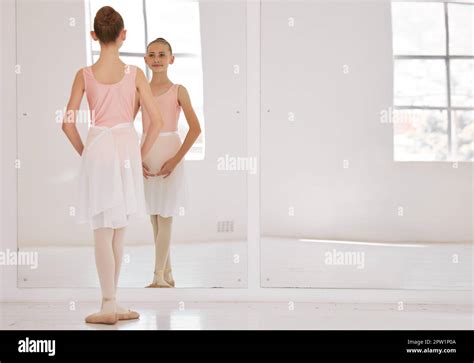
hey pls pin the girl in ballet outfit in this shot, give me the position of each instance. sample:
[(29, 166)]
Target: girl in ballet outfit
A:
[(165, 186), (110, 184)]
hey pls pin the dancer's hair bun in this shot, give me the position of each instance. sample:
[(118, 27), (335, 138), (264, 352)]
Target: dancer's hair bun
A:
[(108, 23)]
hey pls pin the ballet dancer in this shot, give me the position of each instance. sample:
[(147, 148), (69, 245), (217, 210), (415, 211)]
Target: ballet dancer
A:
[(110, 184), (165, 186)]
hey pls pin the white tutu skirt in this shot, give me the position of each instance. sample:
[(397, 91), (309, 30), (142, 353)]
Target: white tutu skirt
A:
[(110, 185), (166, 197)]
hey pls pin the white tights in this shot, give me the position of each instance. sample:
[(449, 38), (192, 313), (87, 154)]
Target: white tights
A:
[(162, 233), (108, 258)]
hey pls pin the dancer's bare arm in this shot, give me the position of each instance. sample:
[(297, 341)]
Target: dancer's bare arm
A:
[(69, 120), (191, 119), (146, 169), (151, 107), (192, 135)]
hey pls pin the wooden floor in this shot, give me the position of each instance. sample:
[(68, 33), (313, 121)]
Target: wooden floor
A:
[(221, 316)]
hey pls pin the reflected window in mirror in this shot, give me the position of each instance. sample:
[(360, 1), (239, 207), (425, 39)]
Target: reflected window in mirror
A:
[(179, 23), (433, 115)]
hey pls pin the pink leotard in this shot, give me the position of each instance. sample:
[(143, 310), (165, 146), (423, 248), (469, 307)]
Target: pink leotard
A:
[(169, 109), (110, 104)]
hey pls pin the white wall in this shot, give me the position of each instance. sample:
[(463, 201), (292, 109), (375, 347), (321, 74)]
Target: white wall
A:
[(7, 129), (2, 296), (50, 52), (337, 117)]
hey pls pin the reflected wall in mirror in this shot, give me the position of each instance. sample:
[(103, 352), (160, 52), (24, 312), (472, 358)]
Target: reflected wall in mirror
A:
[(209, 237), (337, 209)]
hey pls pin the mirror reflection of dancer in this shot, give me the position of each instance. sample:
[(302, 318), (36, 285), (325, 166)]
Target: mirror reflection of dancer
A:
[(110, 178), (163, 168)]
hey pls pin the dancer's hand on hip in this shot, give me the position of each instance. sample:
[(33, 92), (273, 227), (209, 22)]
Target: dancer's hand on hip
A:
[(167, 167)]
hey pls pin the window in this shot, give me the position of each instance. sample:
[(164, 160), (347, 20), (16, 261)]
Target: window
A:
[(179, 23), (433, 81)]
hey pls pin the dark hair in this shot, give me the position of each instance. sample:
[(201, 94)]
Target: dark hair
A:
[(108, 24), (161, 40)]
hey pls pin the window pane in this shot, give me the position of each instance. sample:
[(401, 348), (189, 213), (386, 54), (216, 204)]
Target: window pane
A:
[(420, 83), (418, 29), (176, 21), (132, 15), (420, 135), (463, 144), (461, 23), (462, 82)]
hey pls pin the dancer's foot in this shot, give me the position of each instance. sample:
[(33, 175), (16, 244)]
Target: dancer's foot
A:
[(156, 285), (126, 314), (107, 314), (168, 277), (159, 280), (102, 318)]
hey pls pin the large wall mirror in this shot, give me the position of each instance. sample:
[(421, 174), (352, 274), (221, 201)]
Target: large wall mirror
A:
[(209, 239), (367, 144)]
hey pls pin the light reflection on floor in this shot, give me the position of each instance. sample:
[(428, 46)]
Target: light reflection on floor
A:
[(243, 316)]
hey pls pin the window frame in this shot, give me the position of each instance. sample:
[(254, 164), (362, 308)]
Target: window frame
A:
[(447, 60)]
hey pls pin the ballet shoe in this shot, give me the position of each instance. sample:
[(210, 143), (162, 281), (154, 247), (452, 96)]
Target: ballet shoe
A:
[(99, 318), (156, 285), (171, 283), (102, 318), (129, 315), (169, 278), (159, 281), (126, 314)]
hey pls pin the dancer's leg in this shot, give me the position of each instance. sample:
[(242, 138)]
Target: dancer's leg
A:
[(104, 258), (162, 243), (154, 223), (168, 270), (117, 245), (168, 276), (105, 263), (162, 233)]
